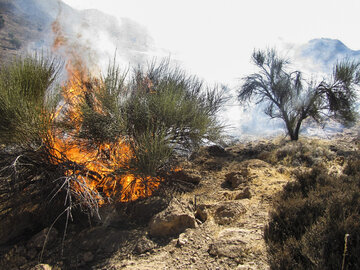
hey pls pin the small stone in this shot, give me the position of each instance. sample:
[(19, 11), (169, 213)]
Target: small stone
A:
[(182, 240), (88, 256), (144, 244), (242, 267), (245, 194), (42, 267)]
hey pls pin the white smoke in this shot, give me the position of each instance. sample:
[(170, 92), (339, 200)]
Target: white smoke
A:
[(97, 36)]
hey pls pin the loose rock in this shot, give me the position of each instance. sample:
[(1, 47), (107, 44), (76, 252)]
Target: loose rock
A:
[(228, 212), (182, 240), (144, 244), (235, 179), (173, 220), (42, 267), (244, 194), (217, 151)]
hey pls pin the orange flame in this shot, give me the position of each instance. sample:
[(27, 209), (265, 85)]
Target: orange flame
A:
[(102, 163)]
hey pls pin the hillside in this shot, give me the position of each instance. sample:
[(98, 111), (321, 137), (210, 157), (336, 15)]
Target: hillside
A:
[(26, 26), (217, 216), (18, 29)]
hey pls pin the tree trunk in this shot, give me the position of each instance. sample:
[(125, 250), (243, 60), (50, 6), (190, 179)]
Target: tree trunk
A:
[(294, 136), (297, 130)]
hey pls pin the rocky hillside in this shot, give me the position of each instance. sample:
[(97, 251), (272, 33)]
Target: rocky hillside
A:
[(26, 26), (18, 29), (213, 219)]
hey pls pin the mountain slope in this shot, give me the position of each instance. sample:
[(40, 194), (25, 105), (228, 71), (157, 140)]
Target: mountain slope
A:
[(325, 52), (27, 26)]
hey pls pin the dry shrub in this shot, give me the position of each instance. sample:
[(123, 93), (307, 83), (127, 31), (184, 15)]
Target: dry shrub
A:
[(304, 152), (310, 219)]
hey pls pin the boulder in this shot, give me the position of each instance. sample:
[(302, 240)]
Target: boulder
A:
[(228, 212), (217, 151), (235, 179), (144, 244), (229, 243), (227, 248), (177, 217)]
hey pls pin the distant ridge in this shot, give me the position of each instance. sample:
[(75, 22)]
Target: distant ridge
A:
[(325, 52)]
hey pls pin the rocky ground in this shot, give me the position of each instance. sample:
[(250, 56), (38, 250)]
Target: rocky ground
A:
[(216, 225)]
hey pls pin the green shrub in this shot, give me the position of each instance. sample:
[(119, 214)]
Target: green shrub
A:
[(310, 220), (158, 110), (27, 99)]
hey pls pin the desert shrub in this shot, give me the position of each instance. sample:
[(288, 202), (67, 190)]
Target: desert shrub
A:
[(310, 220), (158, 110), (27, 99), (304, 152)]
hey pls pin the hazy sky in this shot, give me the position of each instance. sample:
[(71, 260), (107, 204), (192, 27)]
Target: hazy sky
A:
[(215, 38)]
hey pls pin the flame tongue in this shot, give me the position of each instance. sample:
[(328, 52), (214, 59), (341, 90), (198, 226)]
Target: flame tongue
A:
[(98, 168), (103, 164)]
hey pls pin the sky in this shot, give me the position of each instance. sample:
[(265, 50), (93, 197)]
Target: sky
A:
[(214, 39)]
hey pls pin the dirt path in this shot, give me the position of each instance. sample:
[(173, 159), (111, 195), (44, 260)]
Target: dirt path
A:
[(231, 237)]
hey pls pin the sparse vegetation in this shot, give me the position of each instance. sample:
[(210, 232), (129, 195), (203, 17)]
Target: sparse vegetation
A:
[(311, 218), (289, 97), (303, 152)]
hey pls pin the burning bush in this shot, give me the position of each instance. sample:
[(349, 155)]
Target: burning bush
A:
[(106, 140), (132, 126), (311, 220)]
